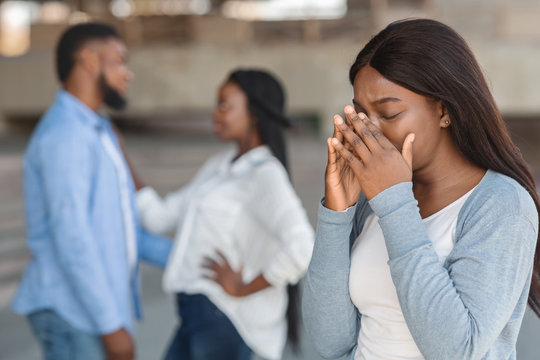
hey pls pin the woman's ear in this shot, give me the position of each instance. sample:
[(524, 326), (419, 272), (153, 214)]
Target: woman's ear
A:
[(443, 115)]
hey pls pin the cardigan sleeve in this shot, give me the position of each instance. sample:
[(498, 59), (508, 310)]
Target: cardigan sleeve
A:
[(457, 310), (329, 315)]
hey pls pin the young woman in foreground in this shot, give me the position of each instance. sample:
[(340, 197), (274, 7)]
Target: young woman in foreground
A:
[(427, 234)]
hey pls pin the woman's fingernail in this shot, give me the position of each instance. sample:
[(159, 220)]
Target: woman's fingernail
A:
[(334, 141), (338, 120)]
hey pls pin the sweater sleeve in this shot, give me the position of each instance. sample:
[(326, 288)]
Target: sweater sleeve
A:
[(329, 314), (458, 309), (154, 249), (278, 207), (159, 215)]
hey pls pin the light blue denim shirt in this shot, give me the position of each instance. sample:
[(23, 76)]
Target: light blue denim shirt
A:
[(470, 307), (75, 227)]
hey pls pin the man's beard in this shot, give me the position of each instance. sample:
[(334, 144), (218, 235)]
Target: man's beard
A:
[(111, 97)]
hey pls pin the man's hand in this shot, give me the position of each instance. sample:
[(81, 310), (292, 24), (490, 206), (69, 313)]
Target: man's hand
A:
[(119, 345)]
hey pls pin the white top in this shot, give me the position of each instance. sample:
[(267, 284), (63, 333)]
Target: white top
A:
[(125, 200), (383, 331), (248, 210)]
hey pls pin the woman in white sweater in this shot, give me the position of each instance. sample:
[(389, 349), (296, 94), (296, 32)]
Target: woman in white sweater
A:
[(242, 235)]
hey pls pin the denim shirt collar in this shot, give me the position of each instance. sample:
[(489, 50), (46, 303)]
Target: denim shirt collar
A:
[(89, 117)]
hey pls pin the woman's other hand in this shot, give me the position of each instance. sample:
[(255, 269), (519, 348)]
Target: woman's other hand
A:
[(342, 188)]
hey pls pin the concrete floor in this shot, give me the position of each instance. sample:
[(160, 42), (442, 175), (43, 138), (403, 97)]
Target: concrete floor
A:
[(165, 162)]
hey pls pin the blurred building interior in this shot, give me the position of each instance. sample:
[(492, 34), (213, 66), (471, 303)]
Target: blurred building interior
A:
[(181, 50)]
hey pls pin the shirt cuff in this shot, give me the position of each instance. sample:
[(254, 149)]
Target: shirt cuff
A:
[(274, 277), (328, 216), (108, 323)]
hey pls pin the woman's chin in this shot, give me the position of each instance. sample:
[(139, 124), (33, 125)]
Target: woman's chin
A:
[(221, 136)]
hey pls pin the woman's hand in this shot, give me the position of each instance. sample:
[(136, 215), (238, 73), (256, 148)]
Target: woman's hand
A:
[(231, 281), (374, 160), (222, 273), (342, 188)]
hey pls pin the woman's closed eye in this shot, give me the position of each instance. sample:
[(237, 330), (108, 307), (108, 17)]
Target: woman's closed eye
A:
[(390, 117)]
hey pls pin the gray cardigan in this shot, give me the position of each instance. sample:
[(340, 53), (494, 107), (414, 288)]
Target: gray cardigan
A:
[(470, 307)]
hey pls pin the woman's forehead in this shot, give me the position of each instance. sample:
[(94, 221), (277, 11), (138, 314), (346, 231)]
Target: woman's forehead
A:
[(371, 88)]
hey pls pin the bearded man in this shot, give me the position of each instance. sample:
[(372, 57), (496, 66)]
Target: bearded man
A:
[(81, 288)]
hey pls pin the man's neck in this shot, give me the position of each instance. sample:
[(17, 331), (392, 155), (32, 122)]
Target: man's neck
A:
[(86, 94)]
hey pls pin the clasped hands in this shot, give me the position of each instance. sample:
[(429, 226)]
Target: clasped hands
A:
[(362, 159)]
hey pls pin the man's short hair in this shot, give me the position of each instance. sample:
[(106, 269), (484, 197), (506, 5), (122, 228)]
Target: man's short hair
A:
[(73, 40)]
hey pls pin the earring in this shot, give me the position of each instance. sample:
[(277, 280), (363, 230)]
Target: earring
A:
[(447, 122)]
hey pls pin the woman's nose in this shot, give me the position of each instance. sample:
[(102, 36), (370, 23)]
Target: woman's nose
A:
[(375, 122)]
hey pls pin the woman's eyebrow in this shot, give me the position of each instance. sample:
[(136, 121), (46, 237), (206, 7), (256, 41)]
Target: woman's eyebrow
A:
[(356, 103), (385, 100), (378, 102)]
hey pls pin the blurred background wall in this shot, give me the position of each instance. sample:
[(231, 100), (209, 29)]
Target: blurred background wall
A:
[(181, 50)]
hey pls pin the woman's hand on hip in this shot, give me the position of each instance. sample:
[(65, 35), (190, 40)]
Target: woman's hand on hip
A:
[(222, 273), (230, 280)]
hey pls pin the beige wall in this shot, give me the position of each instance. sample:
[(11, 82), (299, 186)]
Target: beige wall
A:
[(185, 75)]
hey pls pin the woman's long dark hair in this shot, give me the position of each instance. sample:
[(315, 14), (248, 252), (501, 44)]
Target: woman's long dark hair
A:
[(430, 59), (266, 101)]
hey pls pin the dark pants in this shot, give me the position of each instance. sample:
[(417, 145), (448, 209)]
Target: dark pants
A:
[(205, 333)]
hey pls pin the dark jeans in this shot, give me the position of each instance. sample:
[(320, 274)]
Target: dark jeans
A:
[(61, 341), (205, 333)]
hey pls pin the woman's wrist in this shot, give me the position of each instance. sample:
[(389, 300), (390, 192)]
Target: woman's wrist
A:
[(331, 203), (257, 284)]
